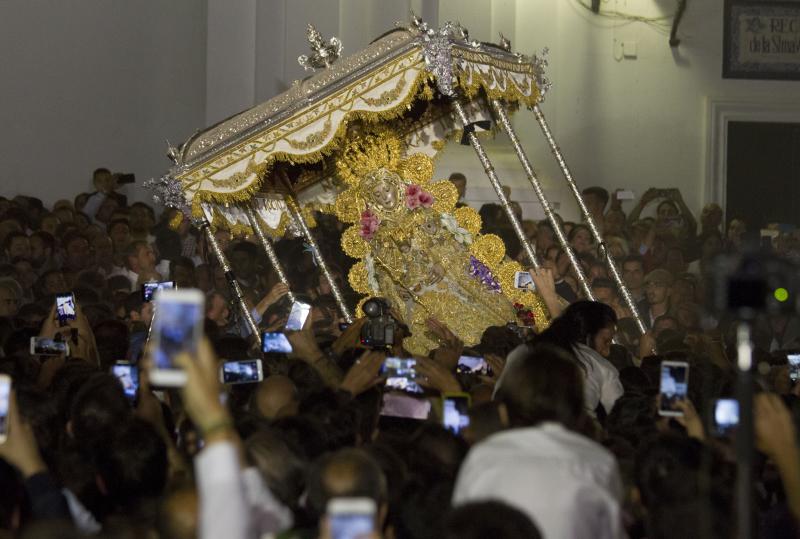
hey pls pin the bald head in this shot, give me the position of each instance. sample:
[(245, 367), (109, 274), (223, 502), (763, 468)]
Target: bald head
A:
[(347, 473), (276, 397)]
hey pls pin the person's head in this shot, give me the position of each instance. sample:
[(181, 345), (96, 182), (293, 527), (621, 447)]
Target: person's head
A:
[(24, 272), (736, 231), (103, 249), (50, 224), (348, 473), (617, 246), (545, 237), (711, 217), (120, 232), (52, 282), (217, 309), (495, 519), (595, 199), (138, 310), (142, 218), (605, 291), (140, 257), (590, 323), (657, 285), (10, 297), (281, 464), (540, 383), (614, 223), (580, 238), (667, 209), (77, 251), (101, 178), (43, 246), (243, 256), (664, 322), (16, 245), (275, 397), (633, 272), (460, 182), (177, 516), (107, 209), (181, 270), (675, 261), (97, 406)]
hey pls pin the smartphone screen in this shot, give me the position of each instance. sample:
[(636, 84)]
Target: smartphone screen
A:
[(276, 343), (524, 281), (297, 316), (128, 376), (351, 518), (242, 372), (674, 386), (472, 365), (149, 289), (455, 412), (726, 416), (5, 399), (65, 307), (401, 374), (177, 328), (405, 406), (794, 367), (41, 346)]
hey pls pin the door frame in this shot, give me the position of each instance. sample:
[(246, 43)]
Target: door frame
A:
[(720, 112)]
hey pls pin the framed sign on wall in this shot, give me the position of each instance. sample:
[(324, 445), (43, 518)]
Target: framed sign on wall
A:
[(761, 40)]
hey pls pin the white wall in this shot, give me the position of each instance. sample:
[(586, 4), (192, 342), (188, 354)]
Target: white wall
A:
[(96, 83)]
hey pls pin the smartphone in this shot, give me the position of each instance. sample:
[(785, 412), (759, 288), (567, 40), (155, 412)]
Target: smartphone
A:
[(794, 367), (674, 386), (177, 328), (297, 316), (401, 374), (65, 307), (625, 195), (726, 416), (123, 179), (472, 365), (41, 346), (455, 412), (524, 281), (351, 518), (405, 406), (128, 376), (148, 289), (5, 401), (247, 371), (275, 342)]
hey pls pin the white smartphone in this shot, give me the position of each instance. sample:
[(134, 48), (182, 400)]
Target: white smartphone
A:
[(298, 316), (472, 365), (177, 328), (5, 401), (674, 387), (65, 307), (149, 289), (401, 374), (524, 281), (128, 376), (42, 346), (275, 342), (794, 367), (625, 195), (405, 406), (351, 518), (455, 412), (247, 371), (726, 416)]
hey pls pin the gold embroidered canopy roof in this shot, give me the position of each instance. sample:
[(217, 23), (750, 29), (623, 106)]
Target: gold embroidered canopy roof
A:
[(228, 162)]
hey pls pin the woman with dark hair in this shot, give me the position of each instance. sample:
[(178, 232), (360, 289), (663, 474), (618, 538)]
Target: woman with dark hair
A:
[(586, 329)]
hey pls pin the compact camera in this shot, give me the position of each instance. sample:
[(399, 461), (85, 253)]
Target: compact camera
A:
[(378, 331)]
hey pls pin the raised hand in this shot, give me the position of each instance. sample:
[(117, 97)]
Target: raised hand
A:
[(364, 374), (436, 376)]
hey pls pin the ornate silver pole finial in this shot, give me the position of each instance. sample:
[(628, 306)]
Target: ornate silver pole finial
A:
[(172, 152), (322, 55), (505, 43)]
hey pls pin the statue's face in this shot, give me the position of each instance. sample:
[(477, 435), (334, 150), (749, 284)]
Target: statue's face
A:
[(385, 195)]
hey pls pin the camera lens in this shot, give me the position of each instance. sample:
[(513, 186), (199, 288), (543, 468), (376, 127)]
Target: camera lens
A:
[(372, 308)]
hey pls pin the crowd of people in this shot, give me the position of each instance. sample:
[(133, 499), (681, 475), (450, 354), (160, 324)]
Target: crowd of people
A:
[(563, 439)]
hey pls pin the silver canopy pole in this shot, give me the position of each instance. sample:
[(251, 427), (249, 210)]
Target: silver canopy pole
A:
[(490, 172), (589, 221), (269, 250), (202, 224), (295, 211), (505, 123)]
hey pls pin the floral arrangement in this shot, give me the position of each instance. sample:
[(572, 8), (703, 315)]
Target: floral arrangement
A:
[(369, 224), (525, 316), (480, 271), (416, 197)]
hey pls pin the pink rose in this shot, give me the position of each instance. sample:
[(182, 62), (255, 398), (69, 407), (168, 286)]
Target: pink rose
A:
[(425, 199), (369, 225), (413, 190)]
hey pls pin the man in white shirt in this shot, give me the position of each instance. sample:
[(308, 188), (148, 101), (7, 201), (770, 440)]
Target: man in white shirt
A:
[(567, 484)]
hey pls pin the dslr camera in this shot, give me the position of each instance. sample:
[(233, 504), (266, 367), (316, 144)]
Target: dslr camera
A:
[(378, 331)]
